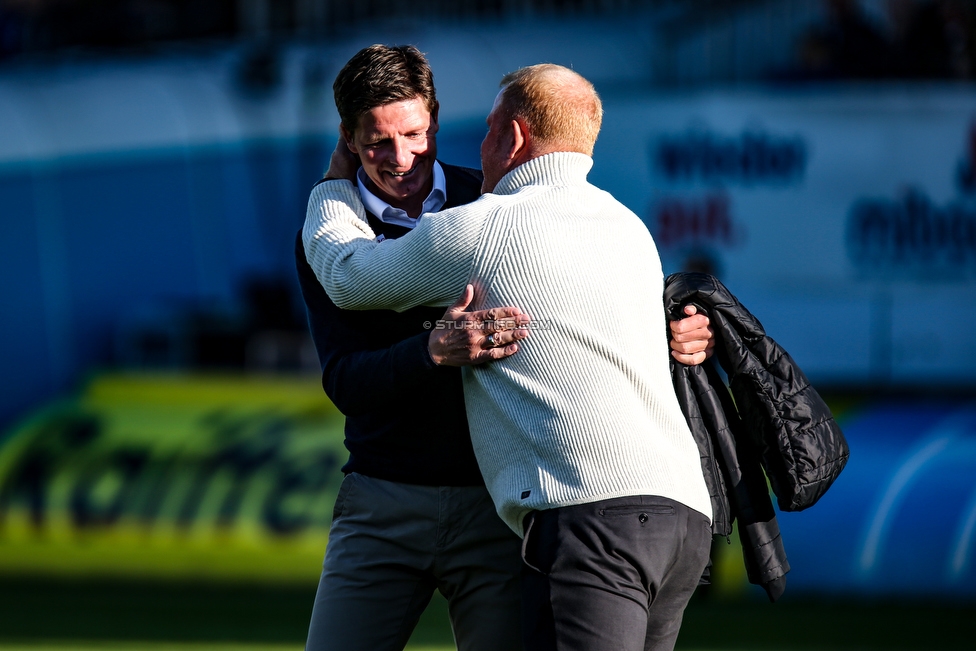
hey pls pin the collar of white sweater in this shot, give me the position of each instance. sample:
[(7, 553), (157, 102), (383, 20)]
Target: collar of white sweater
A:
[(559, 168)]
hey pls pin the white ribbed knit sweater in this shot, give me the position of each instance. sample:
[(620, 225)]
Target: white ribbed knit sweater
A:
[(586, 409)]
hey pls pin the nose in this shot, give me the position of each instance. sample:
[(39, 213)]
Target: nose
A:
[(402, 154)]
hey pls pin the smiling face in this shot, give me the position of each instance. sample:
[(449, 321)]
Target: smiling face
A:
[(397, 146)]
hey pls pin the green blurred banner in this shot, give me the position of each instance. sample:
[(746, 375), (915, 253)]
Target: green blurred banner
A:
[(177, 476)]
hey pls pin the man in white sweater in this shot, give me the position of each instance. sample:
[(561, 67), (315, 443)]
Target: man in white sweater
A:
[(579, 437)]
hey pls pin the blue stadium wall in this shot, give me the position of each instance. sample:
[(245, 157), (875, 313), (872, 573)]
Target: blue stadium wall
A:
[(842, 216)]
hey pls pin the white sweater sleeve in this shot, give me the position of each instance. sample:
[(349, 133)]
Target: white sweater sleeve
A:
[(428, 266)]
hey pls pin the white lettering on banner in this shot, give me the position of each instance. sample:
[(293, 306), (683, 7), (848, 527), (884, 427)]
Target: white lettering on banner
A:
[(912, 236), (753, 157), (837, 214), (676, 221)]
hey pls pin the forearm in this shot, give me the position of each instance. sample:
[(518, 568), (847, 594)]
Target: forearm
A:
[(335, 228), (359, 273), (354, 369)]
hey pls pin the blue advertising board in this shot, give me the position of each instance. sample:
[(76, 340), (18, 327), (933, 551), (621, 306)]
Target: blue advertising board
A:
[(901, 518)]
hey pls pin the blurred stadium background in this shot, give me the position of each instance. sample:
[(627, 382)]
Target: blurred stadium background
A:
[(168, 460)]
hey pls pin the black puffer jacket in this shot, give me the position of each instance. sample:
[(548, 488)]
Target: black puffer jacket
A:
[(774, 420)]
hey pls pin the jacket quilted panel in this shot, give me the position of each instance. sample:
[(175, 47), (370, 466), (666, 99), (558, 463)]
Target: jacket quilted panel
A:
[(777, 423)]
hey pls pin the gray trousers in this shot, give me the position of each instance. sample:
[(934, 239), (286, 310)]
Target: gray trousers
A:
[(613, 575), (391, 545)]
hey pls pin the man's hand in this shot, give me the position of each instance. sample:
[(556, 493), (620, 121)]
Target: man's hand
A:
[(692, 338), (476, 337), (344, 163)]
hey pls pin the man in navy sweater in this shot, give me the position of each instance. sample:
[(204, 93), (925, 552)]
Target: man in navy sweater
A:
[(413, 514)]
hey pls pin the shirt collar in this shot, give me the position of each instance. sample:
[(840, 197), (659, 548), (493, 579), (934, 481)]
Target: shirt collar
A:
[(557, 168), (390, 215)]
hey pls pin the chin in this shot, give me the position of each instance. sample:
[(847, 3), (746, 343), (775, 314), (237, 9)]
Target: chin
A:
[(405, 190)]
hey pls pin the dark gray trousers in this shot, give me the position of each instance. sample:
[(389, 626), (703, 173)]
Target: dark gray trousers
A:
[(613, 575), (391, 545)]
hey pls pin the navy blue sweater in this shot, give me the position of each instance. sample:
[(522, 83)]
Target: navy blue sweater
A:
[(405, 418)]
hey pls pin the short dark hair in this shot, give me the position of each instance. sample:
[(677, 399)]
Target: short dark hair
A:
[(379, 75)]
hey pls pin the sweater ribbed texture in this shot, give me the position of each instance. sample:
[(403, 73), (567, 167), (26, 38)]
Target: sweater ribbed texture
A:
[(586, 409)]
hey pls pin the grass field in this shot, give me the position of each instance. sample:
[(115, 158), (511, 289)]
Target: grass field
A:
[(155, 646), (43, 614)]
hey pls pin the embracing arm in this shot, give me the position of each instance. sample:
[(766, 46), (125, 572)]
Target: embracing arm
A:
[(428, 266), (356, 371)]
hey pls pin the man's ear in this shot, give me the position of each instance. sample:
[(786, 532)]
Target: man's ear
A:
[(521, 139), (347, 136), (434, 124)]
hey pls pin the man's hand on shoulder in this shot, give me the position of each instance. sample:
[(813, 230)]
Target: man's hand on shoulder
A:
[(343, 164), (464, 338), (692, 338)]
